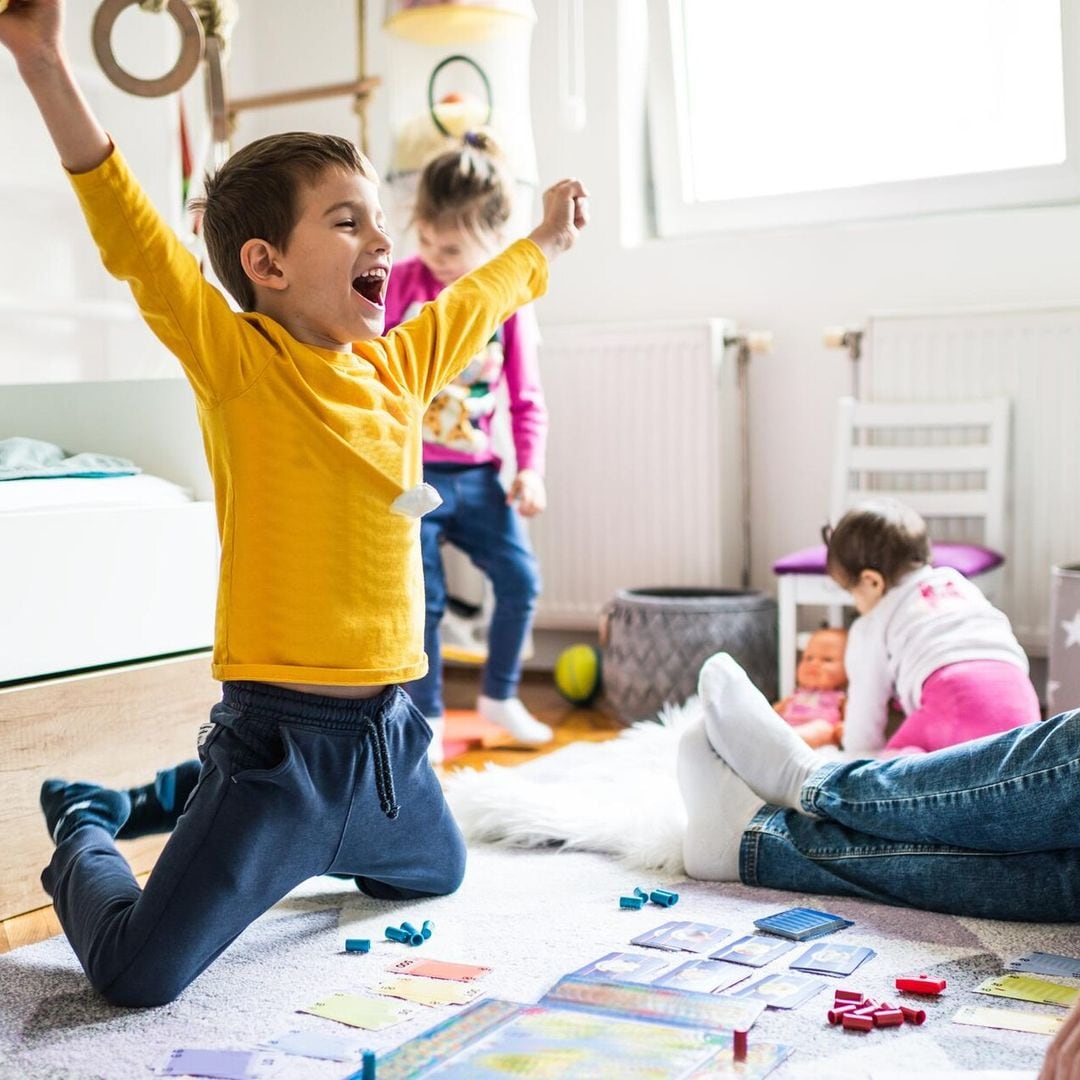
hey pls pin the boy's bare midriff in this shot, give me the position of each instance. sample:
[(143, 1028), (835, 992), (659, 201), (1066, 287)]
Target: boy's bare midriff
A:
[(324, 690)]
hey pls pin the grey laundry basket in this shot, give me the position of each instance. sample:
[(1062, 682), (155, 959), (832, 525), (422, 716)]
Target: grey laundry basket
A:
[(655, 641)]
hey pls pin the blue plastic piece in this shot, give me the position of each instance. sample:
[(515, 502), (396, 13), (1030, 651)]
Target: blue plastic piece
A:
[(635, 903), (427, 928), (367, 1071), (395, 933), (638, 891), (664, 898), (357, 945), (409, 928)]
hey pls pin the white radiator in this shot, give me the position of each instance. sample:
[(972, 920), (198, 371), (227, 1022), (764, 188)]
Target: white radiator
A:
[(643, 471), (1033, 358)]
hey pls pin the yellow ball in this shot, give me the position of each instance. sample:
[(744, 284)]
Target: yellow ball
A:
[(577, 673)]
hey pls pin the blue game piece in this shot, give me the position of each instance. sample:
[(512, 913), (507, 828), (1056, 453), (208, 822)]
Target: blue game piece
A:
[(427, 928), (395, 933), (638, 891), (357, 945), (409, 928), (664, 898), (367, 1071), (635, 903)]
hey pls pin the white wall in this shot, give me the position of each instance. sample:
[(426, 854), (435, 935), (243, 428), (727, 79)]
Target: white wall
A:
[(792, 282)]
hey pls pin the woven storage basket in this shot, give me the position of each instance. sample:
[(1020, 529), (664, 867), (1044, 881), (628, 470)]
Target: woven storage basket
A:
[(655, 641)]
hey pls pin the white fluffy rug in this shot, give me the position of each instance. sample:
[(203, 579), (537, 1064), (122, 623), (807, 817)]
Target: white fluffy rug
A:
[(618, 797)]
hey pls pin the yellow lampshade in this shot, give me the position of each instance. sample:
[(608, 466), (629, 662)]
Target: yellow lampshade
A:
[(455, 21)]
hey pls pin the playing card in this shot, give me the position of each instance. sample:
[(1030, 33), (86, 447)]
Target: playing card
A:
[(782, 991), (752, 950), (316, 1044), (683, 937), (621, 967), (830, 959), (370, 1013), (439, 969), (429, 991), (220, 1064), (705, 976), (1008, 1019), (1041, 963), (1029, 988)]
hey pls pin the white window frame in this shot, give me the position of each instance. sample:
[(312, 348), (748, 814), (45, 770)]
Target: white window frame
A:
[(678, 213)]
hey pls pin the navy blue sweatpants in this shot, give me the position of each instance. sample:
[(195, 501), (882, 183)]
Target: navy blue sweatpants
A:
[(292, 786)]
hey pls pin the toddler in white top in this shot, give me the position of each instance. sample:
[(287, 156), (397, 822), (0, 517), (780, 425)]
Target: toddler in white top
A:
[(926, 637)]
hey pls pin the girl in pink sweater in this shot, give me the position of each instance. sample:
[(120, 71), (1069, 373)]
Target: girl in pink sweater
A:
[(463, 203)]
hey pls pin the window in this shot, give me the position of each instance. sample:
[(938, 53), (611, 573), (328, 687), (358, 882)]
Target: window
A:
[(778, 112)]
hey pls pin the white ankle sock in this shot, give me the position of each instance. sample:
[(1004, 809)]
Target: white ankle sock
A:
[(719, 806), (512, 716), (748, 734), (435, 747)]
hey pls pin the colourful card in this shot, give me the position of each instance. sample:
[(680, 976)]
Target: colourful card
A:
[(369, 1013), (621, 967), (429, 991), (439, 969), (316, 1044), (682, 937), (801, 923), (1041, 963), (703, 976), (1029, 988), (784, 990), (219, 1064), (830, 959), (1008, 1019), (752, 950)]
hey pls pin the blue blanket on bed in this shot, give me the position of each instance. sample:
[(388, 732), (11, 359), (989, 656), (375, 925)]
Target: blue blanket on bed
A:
[(32, 459)]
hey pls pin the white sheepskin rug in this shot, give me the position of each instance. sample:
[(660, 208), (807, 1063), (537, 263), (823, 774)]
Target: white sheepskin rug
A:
[(618, 796)]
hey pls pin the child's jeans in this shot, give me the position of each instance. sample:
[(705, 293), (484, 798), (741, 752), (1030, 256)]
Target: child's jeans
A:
[(988, 829), (475, 517), (292, 786), (966, 701)]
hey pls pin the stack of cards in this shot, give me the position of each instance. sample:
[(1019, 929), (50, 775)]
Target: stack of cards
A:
[(703, 976), (692, 937), (781, 991), (801, 923), (832, 959), (621, 967), (752, 950), (1041, 963)]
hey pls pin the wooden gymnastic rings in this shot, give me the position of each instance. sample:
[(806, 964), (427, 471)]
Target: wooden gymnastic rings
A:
[(187, 63)]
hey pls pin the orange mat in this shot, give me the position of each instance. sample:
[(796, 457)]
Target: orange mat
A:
[(466, 730)]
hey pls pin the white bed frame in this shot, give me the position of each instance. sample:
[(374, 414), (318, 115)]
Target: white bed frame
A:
[(97, 586)]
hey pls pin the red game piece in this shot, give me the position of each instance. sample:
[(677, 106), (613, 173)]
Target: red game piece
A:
[(858, 1023), (913, 1016), (738, 1045), (848, 995), (921, 984), (837, 1012), (888, 1018)]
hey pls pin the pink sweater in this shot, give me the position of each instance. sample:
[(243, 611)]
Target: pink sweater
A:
[(457, 424)]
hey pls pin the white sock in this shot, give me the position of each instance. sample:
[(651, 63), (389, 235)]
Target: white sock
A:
[(512, 716), (719, 806), (435, 747), (749, 735)]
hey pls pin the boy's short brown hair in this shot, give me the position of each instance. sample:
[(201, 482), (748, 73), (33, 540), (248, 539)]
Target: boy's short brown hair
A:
[(254, 196), (880, 534)]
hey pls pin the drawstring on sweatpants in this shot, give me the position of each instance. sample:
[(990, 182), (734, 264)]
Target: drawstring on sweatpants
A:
[(384, 776)]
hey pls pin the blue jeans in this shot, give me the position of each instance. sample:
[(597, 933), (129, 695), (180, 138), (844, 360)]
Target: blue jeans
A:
[(989, 828), (474, 517), (292, 786)]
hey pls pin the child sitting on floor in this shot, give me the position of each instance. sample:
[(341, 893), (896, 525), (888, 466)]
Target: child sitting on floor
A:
[(816, 709), (925, 635)]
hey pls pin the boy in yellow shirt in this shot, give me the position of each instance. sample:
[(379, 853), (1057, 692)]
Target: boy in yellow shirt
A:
[(316, 761)]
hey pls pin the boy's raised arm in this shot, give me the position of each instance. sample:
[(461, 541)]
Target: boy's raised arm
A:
[(32, 31)]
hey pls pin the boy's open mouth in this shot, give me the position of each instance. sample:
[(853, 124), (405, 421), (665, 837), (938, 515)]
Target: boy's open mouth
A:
[(371, 285)]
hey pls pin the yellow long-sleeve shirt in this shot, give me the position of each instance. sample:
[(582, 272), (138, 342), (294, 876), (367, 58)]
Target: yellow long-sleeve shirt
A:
[(319, 582)]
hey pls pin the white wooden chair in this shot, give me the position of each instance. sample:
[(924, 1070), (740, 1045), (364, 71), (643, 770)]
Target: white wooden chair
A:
[(948, 461)]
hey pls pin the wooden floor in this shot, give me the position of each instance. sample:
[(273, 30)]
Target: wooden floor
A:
[(570, 724)]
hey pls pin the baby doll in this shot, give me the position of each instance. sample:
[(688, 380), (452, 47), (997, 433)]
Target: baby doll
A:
[(816, 709)]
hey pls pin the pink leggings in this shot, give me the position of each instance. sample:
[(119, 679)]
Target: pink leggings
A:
[(967, 701)]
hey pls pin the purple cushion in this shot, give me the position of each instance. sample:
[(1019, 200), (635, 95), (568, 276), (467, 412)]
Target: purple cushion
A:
[(968, 559)]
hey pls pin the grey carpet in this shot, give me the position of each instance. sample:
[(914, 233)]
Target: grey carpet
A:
[(531, 916)]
